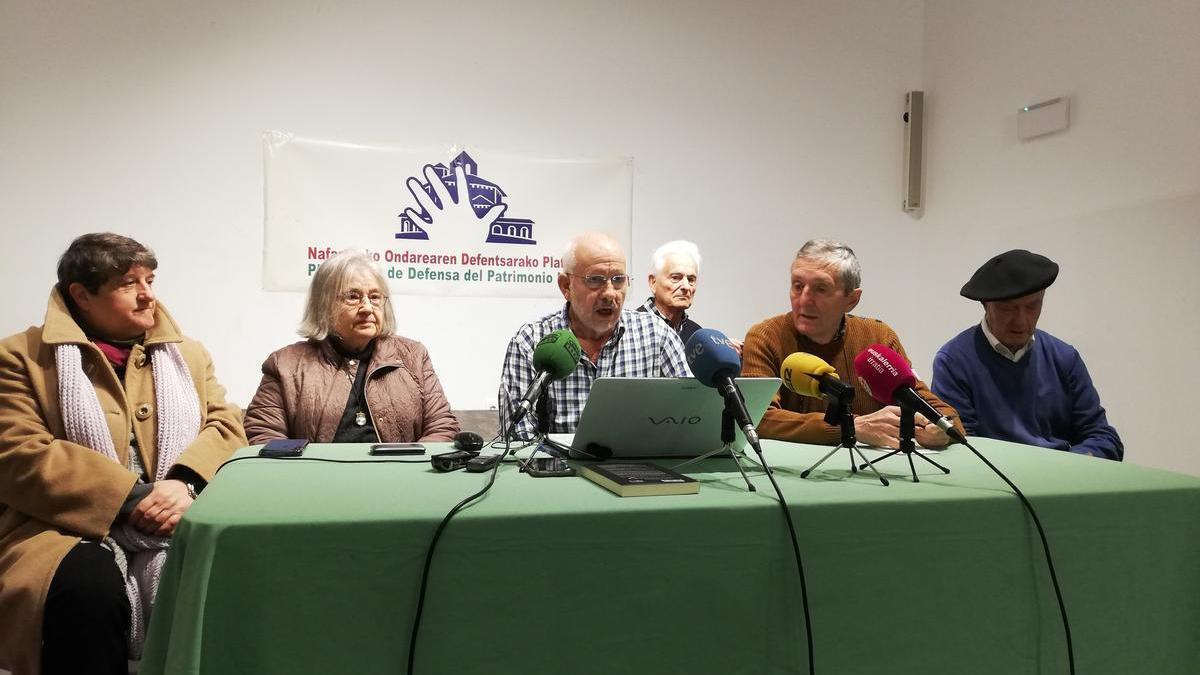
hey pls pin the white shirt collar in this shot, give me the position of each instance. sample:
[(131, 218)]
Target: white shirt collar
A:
[(1001, 349)]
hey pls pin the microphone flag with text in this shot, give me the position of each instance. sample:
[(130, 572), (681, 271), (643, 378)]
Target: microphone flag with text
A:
[(889, 379), (715, 363), (554, 358)]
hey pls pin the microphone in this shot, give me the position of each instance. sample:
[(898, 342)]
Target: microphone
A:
[(811, 376), (715, 363), (889, 379), (555, 357)]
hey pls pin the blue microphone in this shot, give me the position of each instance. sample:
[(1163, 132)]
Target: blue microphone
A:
[(715, 363)]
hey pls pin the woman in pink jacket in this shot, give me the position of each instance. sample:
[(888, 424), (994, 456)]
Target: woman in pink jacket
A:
[(352, 380)]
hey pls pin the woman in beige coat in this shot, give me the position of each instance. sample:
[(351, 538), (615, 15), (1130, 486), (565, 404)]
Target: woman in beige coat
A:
[(111, 422), (353, 380)]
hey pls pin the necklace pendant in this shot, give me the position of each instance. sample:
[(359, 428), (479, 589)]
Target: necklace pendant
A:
[(360, 419)]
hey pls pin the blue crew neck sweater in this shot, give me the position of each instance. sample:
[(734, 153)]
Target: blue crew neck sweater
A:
[(1045, 399)]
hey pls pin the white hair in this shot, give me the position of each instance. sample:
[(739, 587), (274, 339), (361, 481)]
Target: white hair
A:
[(677, 247), (325, 294), (568, 259)]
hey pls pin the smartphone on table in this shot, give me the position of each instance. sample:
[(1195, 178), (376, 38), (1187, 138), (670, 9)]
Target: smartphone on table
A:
[(283, 447), (397, 449)]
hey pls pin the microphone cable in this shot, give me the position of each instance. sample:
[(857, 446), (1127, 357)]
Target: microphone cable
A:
[(437, 534), (1062, 608), (955, 436), (506, 405), (329, 460), (416, 627), (787, 514)]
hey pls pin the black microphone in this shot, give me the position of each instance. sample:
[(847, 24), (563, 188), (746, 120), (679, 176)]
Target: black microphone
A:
[(715, 363)]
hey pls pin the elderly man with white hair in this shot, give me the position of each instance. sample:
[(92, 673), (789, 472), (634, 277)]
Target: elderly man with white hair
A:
[(673, 285), (676, 272), (615, 342)]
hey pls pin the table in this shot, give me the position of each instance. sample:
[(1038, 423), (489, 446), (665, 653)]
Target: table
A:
[(306, 567)]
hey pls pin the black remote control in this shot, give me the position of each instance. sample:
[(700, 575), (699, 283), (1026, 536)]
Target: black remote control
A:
[(484, 463)]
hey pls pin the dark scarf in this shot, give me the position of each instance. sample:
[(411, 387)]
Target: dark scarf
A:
[(349, 430)]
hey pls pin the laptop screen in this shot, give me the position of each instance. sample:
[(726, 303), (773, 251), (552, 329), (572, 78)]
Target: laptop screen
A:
[(664, 417)]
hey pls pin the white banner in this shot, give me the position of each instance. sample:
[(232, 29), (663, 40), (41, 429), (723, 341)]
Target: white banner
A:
[(402, 206)]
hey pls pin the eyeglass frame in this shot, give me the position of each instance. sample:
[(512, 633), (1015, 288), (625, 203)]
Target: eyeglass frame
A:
[(602, 280), (363, 298)]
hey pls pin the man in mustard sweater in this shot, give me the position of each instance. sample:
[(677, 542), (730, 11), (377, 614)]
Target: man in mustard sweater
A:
[(825, 280)]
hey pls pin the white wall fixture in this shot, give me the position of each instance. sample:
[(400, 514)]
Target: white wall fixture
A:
[(914, 135), (1040, 119)]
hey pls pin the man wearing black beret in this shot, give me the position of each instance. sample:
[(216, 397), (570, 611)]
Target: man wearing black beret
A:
[(1010, 381)]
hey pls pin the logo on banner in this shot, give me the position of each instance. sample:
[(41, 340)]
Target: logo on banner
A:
[(461, 221), (440, 205)]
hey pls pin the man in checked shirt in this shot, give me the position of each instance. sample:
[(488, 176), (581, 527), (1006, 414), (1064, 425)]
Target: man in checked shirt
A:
[(615, 342)]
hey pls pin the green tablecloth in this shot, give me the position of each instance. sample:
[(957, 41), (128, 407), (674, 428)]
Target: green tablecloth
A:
[(307, 567)]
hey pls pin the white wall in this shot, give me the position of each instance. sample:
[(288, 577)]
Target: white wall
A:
[(754, 126), (1115, 200)]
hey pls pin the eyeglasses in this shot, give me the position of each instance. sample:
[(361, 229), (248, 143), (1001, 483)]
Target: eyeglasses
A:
[(357, 298), (597, 281)]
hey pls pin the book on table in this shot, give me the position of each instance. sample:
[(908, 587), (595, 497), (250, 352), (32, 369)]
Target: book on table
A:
[(639, 479)]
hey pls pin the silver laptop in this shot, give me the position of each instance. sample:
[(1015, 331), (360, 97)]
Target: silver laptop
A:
[(663, 417)]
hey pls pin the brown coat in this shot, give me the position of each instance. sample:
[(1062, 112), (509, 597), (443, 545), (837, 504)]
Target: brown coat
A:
[(305, 387), (52, 491)]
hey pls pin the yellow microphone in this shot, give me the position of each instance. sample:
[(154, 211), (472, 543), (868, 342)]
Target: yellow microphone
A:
[(802, 373)]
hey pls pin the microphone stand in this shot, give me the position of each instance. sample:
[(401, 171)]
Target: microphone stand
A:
[(908, 446), (840, 412), (542, 439), (728, 436), (541, 431)]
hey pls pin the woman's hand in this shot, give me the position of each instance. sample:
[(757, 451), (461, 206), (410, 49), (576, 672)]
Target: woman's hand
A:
[(159, 512)]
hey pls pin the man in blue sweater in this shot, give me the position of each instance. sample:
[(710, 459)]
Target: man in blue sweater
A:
[(1010, 381)]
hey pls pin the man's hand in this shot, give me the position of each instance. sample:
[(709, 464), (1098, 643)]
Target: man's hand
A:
[(880, 428), (451, 214), (159, 512), (929, 435)]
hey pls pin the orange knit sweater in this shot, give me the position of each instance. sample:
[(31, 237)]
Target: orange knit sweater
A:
[(792, 417)]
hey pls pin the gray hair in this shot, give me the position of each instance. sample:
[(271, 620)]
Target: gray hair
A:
[(834, 254), (330, 281), (677, 247), (93, 259), (568, 260)]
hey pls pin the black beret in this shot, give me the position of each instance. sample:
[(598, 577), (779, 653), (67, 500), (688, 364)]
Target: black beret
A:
[(1009, 275)]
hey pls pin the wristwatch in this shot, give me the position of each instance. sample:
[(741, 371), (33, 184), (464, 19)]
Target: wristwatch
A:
[(191, 490)]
